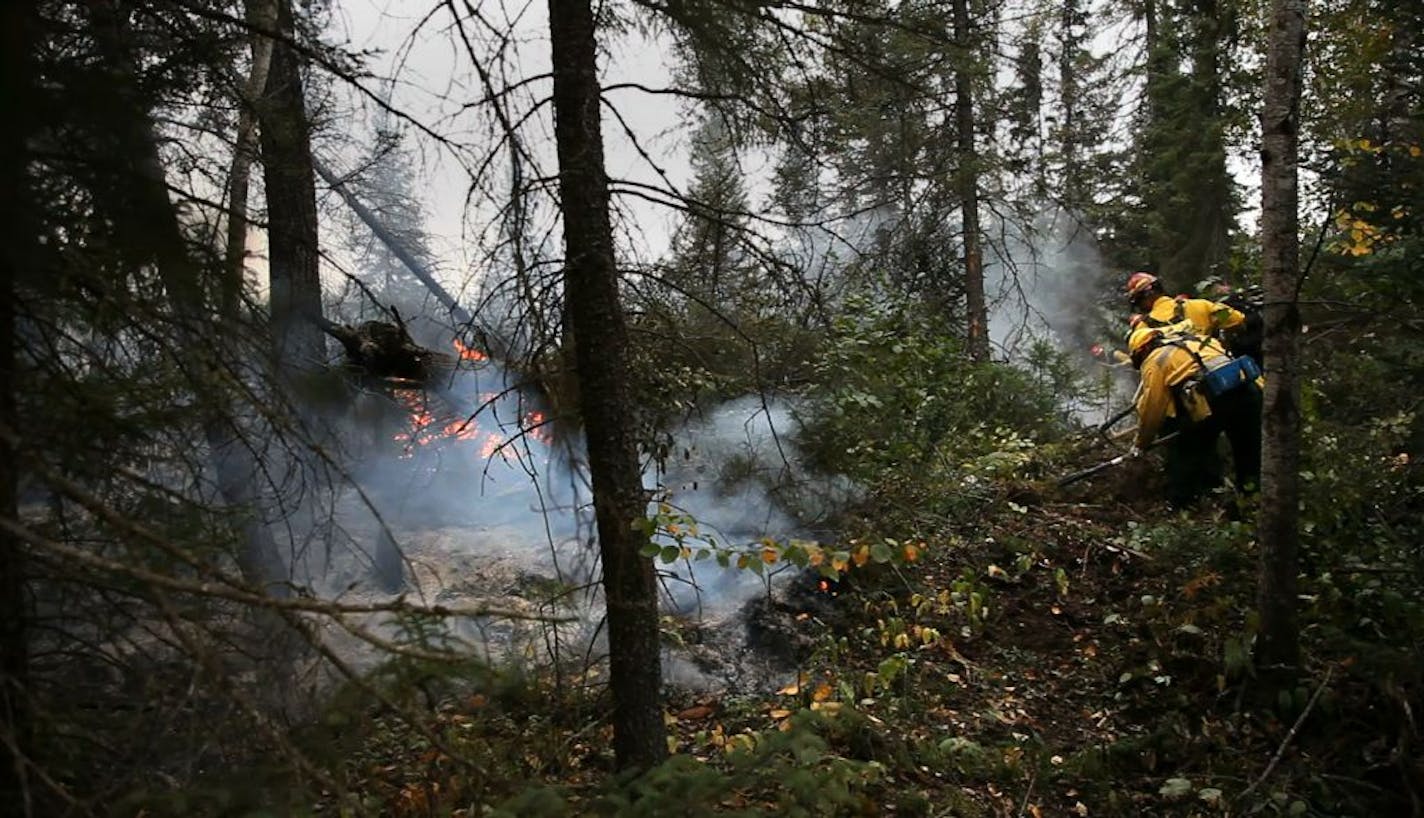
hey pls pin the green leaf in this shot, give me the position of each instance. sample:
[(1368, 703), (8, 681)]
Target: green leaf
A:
[(1175, 788), (881, 553), (649, 549), (670, 553)]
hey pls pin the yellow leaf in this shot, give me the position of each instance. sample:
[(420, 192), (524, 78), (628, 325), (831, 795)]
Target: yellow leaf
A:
[(1365, 144), (861, 556), (768, 555), (817, 556), (826, 707), (822, 692), (780, 714), (794, 687), (911, 552), (1415, 151)]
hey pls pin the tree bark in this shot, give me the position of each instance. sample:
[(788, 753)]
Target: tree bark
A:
[(293, 255), (148, 220), (595, 312), (1278, 646), (262, 15), (968, 179), (1073, 181), (16, 32)]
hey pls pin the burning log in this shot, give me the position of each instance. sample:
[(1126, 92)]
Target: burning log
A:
[(384, 350)]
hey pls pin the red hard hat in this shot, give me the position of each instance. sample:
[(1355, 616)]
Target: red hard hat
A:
[(1139, 283)]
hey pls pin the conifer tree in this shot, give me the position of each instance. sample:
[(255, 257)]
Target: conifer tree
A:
[(385, 184), (708, 259), (595, 313), (1186, 195)]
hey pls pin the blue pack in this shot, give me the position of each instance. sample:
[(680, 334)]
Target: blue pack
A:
[(1234, 372)]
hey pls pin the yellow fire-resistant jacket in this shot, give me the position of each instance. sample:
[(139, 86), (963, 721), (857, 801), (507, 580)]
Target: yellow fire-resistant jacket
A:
[(1165, 369), (1206, 317)]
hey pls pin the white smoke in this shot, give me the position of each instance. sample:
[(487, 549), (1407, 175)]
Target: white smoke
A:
[(482, 522), (1042, 284)]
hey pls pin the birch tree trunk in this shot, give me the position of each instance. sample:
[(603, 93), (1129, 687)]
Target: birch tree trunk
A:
[(1278, 646), (595, 313)]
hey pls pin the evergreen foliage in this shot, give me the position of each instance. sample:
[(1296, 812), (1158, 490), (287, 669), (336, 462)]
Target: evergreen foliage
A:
[(189, 628)]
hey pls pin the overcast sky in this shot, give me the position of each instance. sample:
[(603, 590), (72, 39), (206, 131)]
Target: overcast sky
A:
[(434, 80)]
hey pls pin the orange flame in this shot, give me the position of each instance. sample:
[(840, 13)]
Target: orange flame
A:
[(425, 428), (533, 425), (468, 353)]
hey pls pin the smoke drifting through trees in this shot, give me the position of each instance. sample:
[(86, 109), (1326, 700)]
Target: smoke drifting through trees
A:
[(163, 469)]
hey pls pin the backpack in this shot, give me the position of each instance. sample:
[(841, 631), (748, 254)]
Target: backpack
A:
[(1175, 328), (1243, 340), (1224, 373)]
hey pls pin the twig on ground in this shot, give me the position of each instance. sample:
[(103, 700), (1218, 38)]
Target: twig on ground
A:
[(1295, 728)]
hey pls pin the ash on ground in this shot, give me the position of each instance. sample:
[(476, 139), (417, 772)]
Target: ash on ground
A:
[(754, 647)]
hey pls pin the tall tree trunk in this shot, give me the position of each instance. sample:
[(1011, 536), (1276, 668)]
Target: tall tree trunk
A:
[(1073, 182), (968, 179), (1278, 647), (594, 310), (16, 30), (262, 16), (1210, 238), (148, 220), (291, 207)]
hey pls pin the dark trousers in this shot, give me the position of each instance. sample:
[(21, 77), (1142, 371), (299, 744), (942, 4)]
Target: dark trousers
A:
[(1193, 465)]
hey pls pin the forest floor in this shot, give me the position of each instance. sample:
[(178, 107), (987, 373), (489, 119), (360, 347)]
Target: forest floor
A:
[(1056, 653)]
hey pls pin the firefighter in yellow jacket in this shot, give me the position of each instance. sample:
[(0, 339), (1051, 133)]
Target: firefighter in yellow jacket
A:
[(1197, 316), (1190, 386)]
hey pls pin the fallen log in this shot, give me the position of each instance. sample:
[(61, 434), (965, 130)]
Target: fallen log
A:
[(385, 350)]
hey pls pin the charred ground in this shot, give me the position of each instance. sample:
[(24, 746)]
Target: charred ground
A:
[(1078, 652)]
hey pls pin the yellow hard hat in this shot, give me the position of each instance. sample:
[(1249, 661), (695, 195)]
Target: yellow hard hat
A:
[(1140, 337), (1141, 341)]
